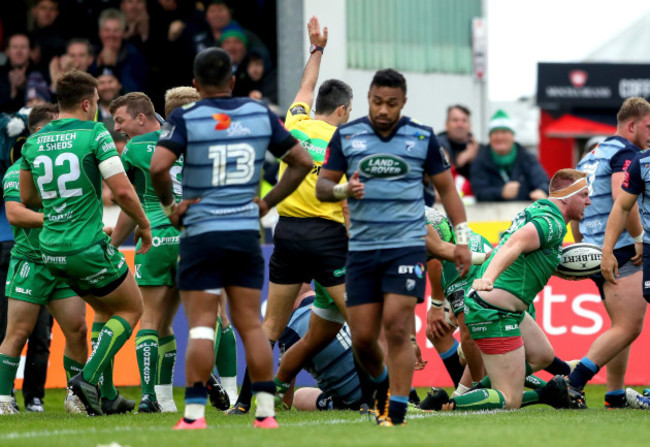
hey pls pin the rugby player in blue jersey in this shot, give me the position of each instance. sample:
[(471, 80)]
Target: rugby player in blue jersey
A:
[(605, 167), (386, 157), (630, 308), (223, 141)]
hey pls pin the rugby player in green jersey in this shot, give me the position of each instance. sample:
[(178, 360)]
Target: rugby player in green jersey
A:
[(155, 271), (30, 285), (61, 170), (511, 343)]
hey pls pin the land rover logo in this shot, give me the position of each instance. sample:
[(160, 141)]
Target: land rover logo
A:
[(383, 166)]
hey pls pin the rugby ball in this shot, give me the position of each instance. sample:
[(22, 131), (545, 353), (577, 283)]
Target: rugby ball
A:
[(580, 259)]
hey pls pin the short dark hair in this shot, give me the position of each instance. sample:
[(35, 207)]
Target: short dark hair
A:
[(136, 103), (212, 67), (74, 87), (389, 78), (460, 107), (41, 113), (83, 41), (332, 94)]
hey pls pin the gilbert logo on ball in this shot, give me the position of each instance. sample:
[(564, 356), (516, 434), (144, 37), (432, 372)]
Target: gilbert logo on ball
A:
[(580, 259)]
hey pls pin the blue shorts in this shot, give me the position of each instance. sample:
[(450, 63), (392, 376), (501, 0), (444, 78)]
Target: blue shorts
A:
[(372, 273), (623, 256), (219, 259)]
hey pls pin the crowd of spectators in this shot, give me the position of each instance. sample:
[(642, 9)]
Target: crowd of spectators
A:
[(149, 46), (131, 45)]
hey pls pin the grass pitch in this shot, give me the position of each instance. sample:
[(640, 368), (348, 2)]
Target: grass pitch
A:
[(532, 426)]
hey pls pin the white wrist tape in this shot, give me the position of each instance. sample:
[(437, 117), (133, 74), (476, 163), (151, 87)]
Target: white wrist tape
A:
[(639, 238), (478, 258), (462, 234), (340, 192), (202, 333), (437, 303), (111, 166), (169, 209)]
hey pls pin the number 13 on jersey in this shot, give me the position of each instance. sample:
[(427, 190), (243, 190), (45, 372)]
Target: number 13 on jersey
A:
[(233, 164)]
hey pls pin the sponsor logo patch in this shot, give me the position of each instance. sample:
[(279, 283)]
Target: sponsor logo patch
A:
[(383, 166)]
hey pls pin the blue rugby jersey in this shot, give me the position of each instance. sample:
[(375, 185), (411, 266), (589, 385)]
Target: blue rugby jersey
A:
[(392, 168), (637, 181), (611, 156), (333, 367), (223, 141)]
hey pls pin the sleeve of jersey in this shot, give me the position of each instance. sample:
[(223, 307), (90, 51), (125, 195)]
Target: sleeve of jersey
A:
[(633, 182), (334, 159), (550, 230), (24, 164), (10, 191), (173, 134), (281, 140), (297, 112), (436, 161), (622, 159), (104, 144)]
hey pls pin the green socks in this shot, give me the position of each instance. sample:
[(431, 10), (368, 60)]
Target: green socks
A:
[(72, 367), (482, 399), (226, 354), (8, 369), (166, 360), (110, 339), (146, 351)]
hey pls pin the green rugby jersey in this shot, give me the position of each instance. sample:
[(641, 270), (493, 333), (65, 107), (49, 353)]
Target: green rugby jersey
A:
[(63, 159), (530, 272), (136, 159), (25, 239)]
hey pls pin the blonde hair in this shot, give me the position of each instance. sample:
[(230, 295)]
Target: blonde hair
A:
[(564, 177), (634, 107), (179, 96)]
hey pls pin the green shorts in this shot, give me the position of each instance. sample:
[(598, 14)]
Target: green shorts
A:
[(323, 299), (34, 283), (97, 270), (157, 267), (325, 307), (487, 321)]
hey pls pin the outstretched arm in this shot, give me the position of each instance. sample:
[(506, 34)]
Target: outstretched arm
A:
[(312, 68)]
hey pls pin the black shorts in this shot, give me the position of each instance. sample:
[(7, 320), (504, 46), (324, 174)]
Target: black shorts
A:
[(307, 249), (625, 267), (373, 273), (219, 259)]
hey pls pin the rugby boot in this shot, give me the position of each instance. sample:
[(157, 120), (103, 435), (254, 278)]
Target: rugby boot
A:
[(197, 424), (87, 393), (387, 422), (637, 400), (616, 402), (148, 404), (72, 404), (217, 394), (435, 399), (238, 409), (7, 408), (118, 405), (267, 422), (34, 405), (382, 399)]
